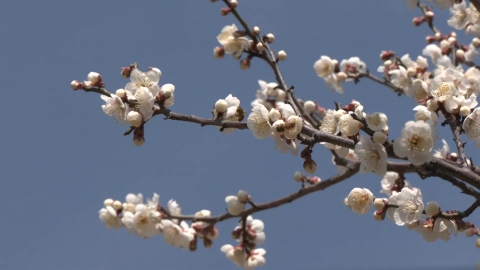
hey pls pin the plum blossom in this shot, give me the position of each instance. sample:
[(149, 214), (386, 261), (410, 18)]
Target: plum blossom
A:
[(359, 200), (233, 45), (432, 51), (372, 156), (255, 259), (400, 78), (259, 122), (390, 183), (350, 156), (440, 229), (234, 254), (109, 216), (461, 16), (285, 145), (236, 204), (377, 121), (353, 66), (334, 81), (348, 126), (114, 106), (415, 142), (233, 112), (254, 228), (139, 79), (143, 220), (325, 66), (443, 152), (176, 235), (471, 126), (269, 95), (410, 206), (422, 113)]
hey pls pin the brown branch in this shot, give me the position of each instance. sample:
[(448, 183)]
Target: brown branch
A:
[(352, 169), (424, 10), (468, 190), (456, 128)]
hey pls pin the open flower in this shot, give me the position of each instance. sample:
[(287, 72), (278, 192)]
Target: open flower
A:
[(259, 123), (176, 235), (372, 156), (471, 125), (232, 112), (415, 142), (232, 45), (114, 106), (410, 206), (324, 66), (377, 121)]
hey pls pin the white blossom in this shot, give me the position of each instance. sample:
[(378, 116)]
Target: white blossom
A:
[(176, 235), (400, 78), (377, 121), (255, 259), (114, 106), (372, 156), (109, 216), (432, 51), (348, 126), (415, 142), (471, 126), (234, 205), (232, 45), (234, 254), (254, 229), (325, 66), (422, 113), (143, 220), (389, 183), (353, 66), (460, 16), (334, 82), (410, 206), (350, 156), (259, 123), (359, 200), (234, 112), (442, 153), (285, 145)]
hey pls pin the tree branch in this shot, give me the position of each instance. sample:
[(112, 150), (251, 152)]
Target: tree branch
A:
[(352, 169)]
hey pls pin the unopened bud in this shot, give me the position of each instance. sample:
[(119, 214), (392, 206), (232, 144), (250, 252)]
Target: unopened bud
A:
[(108, 202), (134, 119), (138, 141), (94, 78), (309, 106), (460, 56), (274, 115), (432, 105), (298, 176), (225, 11), (453, 156), (464, 111), (310, 166), (245, 64), (411, 71), (260, 47), (444, 44), (281, 55), (242, 195), (76, 85), (452, 41), (233, 4), (281, 95), (429, 15), (379, 204), (430, 39), (386, 55), (417, 21), (256, 30), (452, 34), (218, 52), (120, 93), (126, 71), (438, 35), (379, 137), (378, 216), (476, 42), (432, 208), (270, 38), (221, 106), (342, 76), (387, 64), (117, 205)]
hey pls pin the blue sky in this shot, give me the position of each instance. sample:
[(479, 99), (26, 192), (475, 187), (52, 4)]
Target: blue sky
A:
[(61, 156)]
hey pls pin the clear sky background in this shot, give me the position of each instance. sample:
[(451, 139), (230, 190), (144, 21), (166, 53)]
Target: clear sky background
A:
[(61, 156)]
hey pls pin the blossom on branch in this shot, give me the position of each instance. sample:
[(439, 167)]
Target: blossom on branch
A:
[(415, 142), (233, 45)]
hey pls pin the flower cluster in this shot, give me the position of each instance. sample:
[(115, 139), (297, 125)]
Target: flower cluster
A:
[(335, 74), (149, 219), (249, 233)]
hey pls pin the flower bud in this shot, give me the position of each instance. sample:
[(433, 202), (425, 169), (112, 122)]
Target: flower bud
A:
[(274, 115), (94, 77), (378, 216), (430, 39), (269, 38), (134, 119), (256, 30), (476, 42), (464, 111), (245, 64), (453, 156), (126, 71), (386, 55), (282, 55), (417, 21), (298, 176), (260, 47), (225, 11), (379, 137), (281, 95), (429, 15), (242, 196), (432, 105), (444, 44), (460, 55), (432, 208), (452, 41), (117, 205), (438, 35), (156, 70), (379, 204), (342, 76), (309, 106), (76, 85), (108, 202), (310, 166), (221, 106), (387, 64), (411, 71), (233, 3), (218, 52), (120, 93)]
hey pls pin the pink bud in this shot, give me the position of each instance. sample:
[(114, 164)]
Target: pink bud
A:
[(417, 21), (225, 11)]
